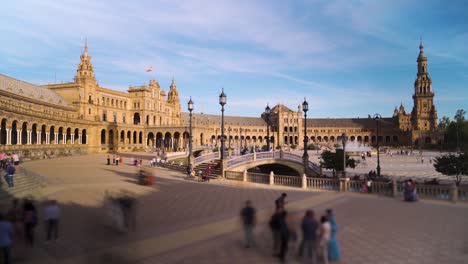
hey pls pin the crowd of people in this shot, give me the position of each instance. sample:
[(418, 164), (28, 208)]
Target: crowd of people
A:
[(318, 241), (20, 222)]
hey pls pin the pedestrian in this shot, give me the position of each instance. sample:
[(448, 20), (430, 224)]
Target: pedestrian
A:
[(281, 201), (325, 233), (6, 238), (248, 216), (113, 159), (51, 219), (117, 160), (2, 160), (108, 159), (309, 236), (30, 221), (15, 158), (189, 170), (275, 226), (10, 172), (208, 172), (333, 246), (284, 236), (15, 216)]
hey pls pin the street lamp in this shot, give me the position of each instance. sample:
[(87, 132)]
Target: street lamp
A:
[(190, 108), (267, 116), (343, 141), (377, 118), (222, 102), (305, 156)]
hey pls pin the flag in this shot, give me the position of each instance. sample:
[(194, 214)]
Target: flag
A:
[(150, 69)]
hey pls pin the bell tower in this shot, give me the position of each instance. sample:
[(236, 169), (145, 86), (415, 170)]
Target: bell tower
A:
[(424, 114)]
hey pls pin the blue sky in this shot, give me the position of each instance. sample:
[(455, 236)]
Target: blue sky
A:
[(349, 58)]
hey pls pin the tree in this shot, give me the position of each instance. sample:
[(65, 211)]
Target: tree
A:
[(334, 161), (453, 165), (460, 115), (444, 122)]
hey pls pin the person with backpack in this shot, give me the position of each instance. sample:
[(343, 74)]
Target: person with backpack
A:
[(10, 172)]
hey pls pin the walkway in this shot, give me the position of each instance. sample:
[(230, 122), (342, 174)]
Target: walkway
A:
[(182, 221)]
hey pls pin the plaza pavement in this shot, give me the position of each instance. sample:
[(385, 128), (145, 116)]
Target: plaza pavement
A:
[(181, 221)]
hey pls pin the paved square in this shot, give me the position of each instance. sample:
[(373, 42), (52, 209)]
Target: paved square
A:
[(182, 221)]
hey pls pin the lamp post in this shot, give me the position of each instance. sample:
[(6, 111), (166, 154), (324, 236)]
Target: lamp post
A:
[(267, 116), (305, 156), (190, 108), (377, 118), (222, 102), (343, 141)]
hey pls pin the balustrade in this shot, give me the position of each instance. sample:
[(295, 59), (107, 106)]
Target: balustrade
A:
[(258, 177), (324, 184), (234, 175), (293, 181)]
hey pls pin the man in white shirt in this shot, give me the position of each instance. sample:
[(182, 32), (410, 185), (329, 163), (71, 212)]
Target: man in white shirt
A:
[(15, 158), (51, 218)]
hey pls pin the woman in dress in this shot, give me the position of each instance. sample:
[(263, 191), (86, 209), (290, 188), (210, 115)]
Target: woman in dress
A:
[(333, 247)]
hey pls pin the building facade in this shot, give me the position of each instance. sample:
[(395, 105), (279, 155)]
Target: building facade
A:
[(82, 116)]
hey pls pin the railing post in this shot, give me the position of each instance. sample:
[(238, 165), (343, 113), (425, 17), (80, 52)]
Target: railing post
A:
[(304, 181), (394, 188), (254, 155), (272, 178), (454, 193), (342, 184), (245, 176)]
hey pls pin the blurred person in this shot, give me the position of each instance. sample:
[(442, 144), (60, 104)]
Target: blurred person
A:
[(10, 173), (108, 159), (333, 246), (281, 201), (15, 216), (284, 236), (309, 228), (6, 239), (51, 218), (409, 191), (275, 225), (15, 158), (325, 233), (117, 160), (248, 216), (29, 220)]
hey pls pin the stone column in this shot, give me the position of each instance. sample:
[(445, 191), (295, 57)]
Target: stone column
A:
[(304, 181), (146, 142), (47, 138), (18, 137), (56, 139), (8, 136), (64, 138), (80, 139), (272, 178), (72, 139), (39, 138), (245, 176), (29, 137), (86, 138)]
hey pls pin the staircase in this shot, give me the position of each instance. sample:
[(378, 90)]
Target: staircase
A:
[(25, 183), (215, 168)]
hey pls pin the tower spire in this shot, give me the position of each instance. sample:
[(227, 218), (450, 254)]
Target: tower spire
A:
[(85, 52)]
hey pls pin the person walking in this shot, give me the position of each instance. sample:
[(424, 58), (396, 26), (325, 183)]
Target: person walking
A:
[(325, 233), (275, 225), (6, 239), (15, 158), (30, 221), (284, 236), (108, 160), (51, 218), (10, 172), (309, 236), (281, 201), (248, 216), (15, 216), (333, 247)]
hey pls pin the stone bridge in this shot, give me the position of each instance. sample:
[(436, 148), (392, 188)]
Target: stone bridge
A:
[(252, 160)]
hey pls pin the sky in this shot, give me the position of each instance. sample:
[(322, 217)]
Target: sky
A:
[(348, 58)]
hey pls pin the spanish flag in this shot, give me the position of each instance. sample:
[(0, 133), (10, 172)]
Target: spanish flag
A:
[(150, 69)]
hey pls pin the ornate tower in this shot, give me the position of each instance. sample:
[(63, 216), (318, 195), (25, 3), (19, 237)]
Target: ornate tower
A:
[(173, 100), (87, 84), (424, 114), (85, 71)]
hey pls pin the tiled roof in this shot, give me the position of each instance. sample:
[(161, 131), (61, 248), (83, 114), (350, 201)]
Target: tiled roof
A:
[(282, 108), (228, 120), (32, 91)]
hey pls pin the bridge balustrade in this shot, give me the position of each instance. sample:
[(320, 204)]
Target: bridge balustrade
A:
[(265, 155), (234, 175), (294, 181), (204, 158), (463, 193), (240, 160), (324, 184), (258, 177)]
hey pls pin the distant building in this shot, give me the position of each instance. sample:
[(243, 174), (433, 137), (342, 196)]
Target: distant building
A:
[(81, 116)]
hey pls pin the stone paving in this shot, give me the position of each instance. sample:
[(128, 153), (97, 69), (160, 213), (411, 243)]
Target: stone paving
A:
[(181, 221)]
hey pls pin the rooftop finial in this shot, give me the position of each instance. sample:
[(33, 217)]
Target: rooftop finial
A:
[(421, 46), (86, 47)]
